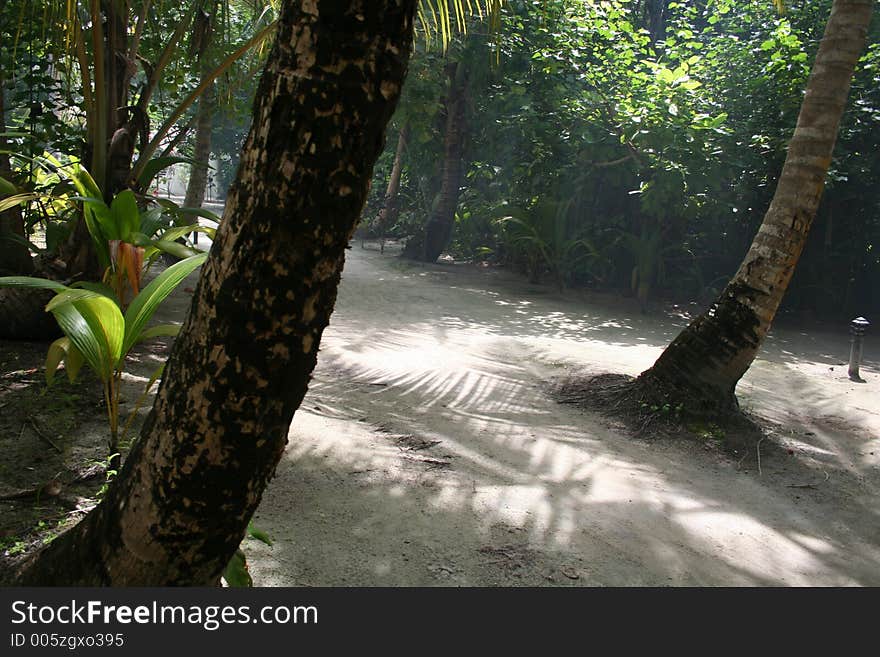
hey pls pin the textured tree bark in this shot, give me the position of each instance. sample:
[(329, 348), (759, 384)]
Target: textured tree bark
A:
[(706, 361), (241, 365), (438, 230), (391, 209)]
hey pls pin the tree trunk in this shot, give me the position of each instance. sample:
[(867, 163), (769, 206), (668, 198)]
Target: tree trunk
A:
[(23, 315), (438, 230), (120, 130), (241, 365), (704, 363), (112, 169), (391, 210), (198, 177), (657, 13), (15, 258)]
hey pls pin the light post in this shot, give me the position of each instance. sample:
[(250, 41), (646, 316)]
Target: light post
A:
[(857, 329)]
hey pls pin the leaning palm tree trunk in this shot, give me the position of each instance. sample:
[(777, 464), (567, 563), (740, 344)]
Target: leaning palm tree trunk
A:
[(438, 230), (198, 179), (390, 211), (705, 362)]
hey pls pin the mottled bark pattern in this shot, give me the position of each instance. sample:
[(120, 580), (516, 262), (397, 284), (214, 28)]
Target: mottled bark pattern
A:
[(707, 359), (241, 364)]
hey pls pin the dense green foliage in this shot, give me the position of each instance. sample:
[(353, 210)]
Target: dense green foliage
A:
[(635, 146), (630, 145)]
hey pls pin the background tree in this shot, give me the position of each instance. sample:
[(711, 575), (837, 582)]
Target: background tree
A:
[(705, 362), (600, 156), (182, 502)]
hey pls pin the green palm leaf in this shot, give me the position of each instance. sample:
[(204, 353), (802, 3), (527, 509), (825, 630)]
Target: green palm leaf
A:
[(30, 281), (62, 349), (125, 214), (160, 331), (94, 325), (144, 304), (155, 165)]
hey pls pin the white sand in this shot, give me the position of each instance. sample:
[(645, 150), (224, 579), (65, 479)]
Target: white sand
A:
[(427, 451)]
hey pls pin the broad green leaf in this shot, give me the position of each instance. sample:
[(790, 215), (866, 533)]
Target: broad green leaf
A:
[(100, 288), (176, 249), (84, 183), (144, 304), (236, 572), (199, 212), (62, 349), (30, 281), (259, 534), (73, 363), (7, 188), (182, 231), (99, 221), (56, 235), (57, 352), (18, 239), (155, 165), (72, 295), (94, 325), (17, 199), (126, 216), (160, 331), (152, 221)]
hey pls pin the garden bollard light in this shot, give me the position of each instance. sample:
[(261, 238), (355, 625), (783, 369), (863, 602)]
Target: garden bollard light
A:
[(857, 329)]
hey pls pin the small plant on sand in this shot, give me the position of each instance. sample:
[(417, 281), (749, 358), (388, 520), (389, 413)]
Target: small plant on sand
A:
[(236, 574)]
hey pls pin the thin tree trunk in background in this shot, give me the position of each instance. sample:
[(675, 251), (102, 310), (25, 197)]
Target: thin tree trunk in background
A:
[(706, 361), (15, 257), (120, 130), (391, 210), (242, 362), (438, 229), (657, 12), (198, 178)]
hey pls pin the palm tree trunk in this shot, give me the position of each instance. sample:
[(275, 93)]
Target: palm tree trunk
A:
[(198, 178), (705, 362), (241, 365), (120, 130), (391, 209), (438, 230)]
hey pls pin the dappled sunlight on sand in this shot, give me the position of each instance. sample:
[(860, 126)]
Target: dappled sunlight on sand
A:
[(428, 452)]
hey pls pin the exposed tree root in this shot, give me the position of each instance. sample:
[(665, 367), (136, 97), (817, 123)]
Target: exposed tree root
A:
[(652, 412)]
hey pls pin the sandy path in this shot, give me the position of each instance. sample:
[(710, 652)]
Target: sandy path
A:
[(427, 452)]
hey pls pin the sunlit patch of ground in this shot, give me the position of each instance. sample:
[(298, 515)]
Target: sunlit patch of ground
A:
[(430, 452)]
